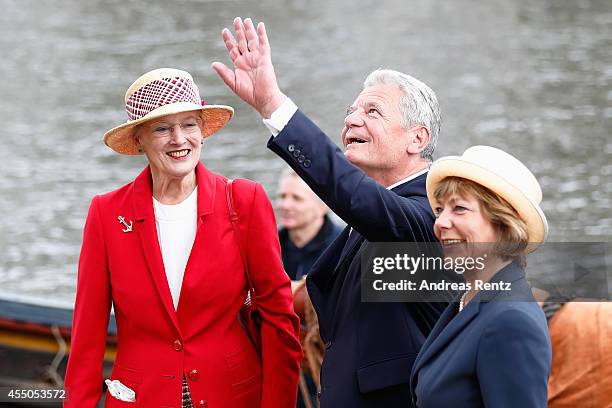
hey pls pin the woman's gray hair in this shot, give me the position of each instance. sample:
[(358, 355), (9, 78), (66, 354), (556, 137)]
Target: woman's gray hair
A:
[(418, 106)]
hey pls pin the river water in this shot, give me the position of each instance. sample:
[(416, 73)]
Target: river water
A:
[(533, 78)]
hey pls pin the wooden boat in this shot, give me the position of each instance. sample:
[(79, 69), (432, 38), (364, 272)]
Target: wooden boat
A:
[(35, 341)]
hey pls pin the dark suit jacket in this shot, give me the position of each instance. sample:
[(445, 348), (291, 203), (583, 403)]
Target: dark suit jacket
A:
[(370, 347), (495, 353)]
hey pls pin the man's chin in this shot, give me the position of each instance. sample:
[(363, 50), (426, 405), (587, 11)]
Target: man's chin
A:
[(351, 157)]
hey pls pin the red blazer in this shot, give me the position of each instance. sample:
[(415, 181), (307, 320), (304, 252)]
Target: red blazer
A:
[(203, 338)]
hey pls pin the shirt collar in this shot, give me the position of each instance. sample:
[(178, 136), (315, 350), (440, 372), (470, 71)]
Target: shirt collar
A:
[(407, 179)]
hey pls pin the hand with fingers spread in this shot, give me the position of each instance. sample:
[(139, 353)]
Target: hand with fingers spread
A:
[(253, 78)]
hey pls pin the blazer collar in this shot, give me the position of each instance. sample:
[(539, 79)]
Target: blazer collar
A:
[(448, 325), (143, 192), (412, 187), (147, 230), (451, 322), (509, 273)]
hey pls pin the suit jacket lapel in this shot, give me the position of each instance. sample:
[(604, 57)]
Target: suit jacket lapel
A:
[(206, 200), (445, 330), (353, 242), (450, 324), (355, 239), (149, 241), (147, 230)]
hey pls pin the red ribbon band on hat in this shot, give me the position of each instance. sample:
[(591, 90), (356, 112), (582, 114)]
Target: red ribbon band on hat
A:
[(159, 93)]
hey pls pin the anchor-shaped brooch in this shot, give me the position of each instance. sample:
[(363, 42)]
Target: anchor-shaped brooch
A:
[(128, 228)]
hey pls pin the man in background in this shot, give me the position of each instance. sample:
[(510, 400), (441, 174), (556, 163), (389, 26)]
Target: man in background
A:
[(306, 229)]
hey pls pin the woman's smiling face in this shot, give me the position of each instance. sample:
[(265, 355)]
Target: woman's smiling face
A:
[(461, 223), (172, 143)]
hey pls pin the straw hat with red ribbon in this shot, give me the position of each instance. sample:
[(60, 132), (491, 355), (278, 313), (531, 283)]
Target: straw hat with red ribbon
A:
[(161, 92)]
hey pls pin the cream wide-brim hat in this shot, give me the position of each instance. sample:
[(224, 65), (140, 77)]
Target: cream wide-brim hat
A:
[(161, 92), (504, 175)]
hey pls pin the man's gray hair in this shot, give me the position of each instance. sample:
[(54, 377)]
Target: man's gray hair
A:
[(418, 106)]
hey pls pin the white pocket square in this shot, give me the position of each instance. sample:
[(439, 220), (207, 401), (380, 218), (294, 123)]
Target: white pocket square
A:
[(120, 391)]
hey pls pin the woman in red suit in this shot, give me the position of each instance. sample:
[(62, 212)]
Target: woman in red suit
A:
[(162, 251)]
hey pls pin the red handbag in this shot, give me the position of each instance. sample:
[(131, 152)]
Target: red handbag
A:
[(249, 316)]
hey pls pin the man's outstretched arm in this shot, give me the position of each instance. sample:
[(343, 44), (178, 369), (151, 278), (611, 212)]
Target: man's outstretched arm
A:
[(377, 213)]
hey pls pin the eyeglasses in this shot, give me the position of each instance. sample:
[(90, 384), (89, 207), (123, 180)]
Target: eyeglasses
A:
[(162, 129)]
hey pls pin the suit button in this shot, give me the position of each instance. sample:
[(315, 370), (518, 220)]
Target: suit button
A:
[(177, 345), (193, 375), (301, 158), (291, 147), (328, 345), (297, 152), (307, 163), (203, 404), (319, 394)]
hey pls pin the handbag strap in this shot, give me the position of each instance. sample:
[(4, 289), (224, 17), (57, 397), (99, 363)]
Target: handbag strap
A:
[(234, 220)]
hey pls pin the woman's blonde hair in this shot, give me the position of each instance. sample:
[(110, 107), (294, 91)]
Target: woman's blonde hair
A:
[(512, 229)]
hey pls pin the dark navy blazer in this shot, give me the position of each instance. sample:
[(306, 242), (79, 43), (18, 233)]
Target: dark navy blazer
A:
[(494, 353), (370, 347)]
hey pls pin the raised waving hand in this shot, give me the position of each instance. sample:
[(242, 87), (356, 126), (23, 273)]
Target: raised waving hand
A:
[(253, 78)]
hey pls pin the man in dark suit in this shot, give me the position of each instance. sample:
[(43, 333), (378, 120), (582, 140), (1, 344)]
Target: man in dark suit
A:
[(378, 187)]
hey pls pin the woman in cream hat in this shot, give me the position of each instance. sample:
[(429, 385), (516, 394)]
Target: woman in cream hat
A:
[(490, 349), (163, 251)]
